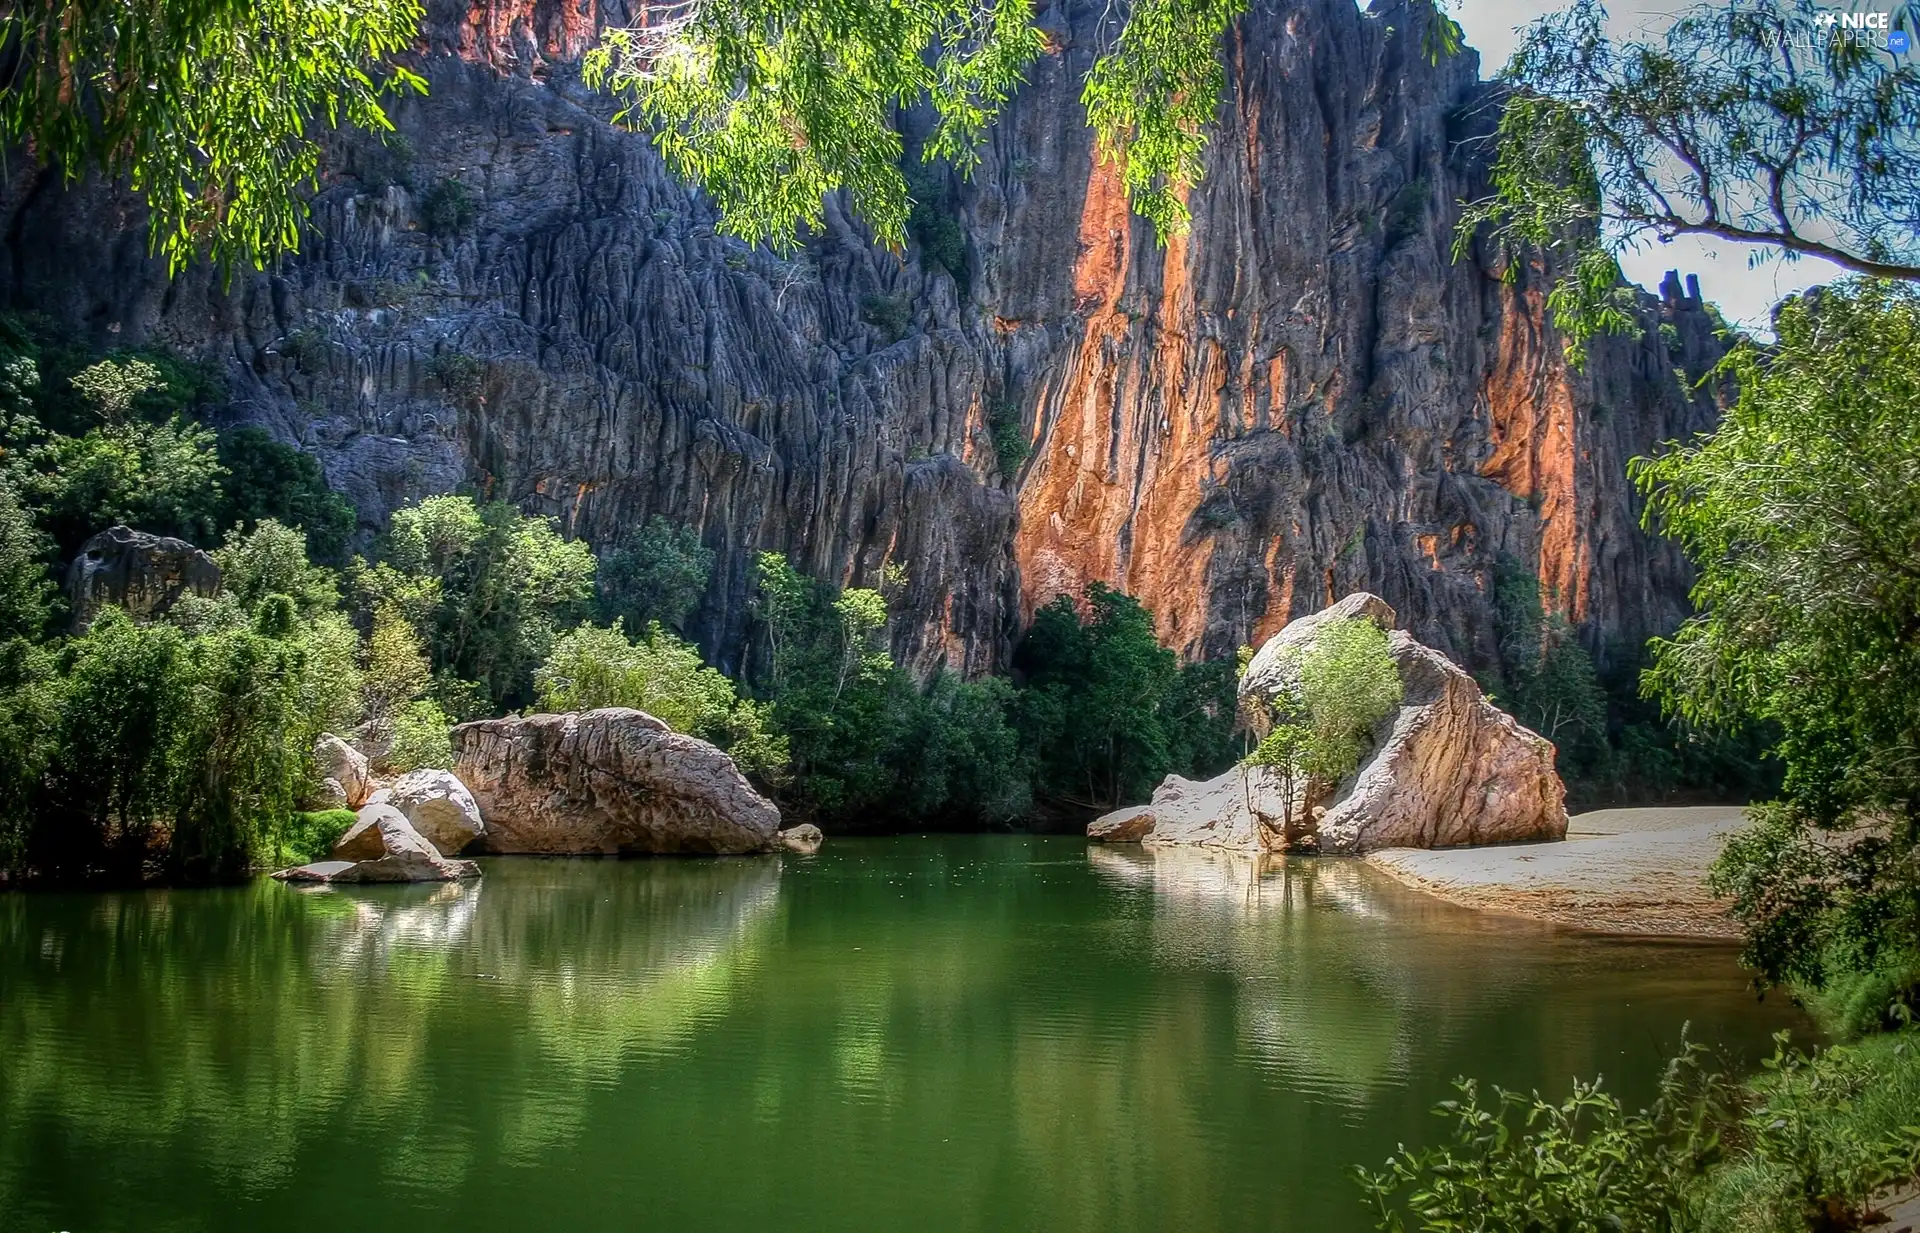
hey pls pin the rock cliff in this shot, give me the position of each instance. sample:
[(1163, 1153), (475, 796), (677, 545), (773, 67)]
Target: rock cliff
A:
[(1301, 398)]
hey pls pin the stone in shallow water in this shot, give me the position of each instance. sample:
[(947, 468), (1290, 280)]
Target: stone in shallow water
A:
[(1447, 769), (614, 780), (804, 839), (382, 847)]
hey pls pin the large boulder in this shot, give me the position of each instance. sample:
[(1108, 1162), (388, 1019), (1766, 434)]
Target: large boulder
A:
[(614, 781), (346, 766), (439, 807), (382, 846), (1447, 769), (145, 574)]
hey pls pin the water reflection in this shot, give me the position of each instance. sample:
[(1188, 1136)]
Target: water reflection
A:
[(960, 1034)]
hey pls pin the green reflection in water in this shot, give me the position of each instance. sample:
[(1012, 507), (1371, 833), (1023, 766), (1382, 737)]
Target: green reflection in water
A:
[(960, 1033)]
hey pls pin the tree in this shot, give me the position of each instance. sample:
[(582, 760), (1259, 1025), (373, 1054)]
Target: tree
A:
[(267, 479), (658, 573), (593, 666), (271, 560), (1320, 723), (1108, 712), (504, 584), (1748, 121), (771, 105), (207, 107), (1802, 513)]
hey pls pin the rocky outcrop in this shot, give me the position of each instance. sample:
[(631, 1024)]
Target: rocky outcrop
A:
[(1301, 397), (382, 846), (345, 768), (804, 839), (439, 806), (1447, 769), (614, 781), (145, 574)]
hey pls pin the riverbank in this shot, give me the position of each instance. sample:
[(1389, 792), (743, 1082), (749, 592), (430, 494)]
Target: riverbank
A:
[(1629, 871)]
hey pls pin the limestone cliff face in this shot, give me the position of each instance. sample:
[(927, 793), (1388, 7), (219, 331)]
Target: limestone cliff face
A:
[(1301, 398)]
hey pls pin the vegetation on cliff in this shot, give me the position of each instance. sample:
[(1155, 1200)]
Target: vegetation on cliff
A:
[(1746, 121)]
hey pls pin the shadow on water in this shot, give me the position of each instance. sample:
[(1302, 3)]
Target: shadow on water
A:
[(954, 1033)]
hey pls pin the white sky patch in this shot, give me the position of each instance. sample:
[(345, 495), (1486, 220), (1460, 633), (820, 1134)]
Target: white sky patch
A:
[(1745, 291)]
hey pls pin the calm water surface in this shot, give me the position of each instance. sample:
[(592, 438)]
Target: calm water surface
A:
[(921, 1034)]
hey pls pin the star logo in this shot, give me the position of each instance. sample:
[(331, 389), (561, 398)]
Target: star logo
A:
[(1828, 19)]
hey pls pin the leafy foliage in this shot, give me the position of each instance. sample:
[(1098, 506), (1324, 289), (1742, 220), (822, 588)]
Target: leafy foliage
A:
[(1107, 711), (593, 666), (871, 747), (1320, 724), (1584, 1163), (266, 479), (772, 105), (206, 106), (659, 573), (1801, 512), (1151, 98), (494, 587), (1724, 127), (1802, 1146)]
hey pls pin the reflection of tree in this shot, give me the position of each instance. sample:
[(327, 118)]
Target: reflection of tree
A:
[(207, 1041), (974, 1033)]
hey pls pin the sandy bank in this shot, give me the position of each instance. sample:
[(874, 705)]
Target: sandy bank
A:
[(1640, 871)]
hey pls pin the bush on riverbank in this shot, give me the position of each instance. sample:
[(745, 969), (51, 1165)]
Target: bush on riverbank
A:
[(1800, 1148)]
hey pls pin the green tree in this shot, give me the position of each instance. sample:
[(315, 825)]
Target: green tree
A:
[(1320, 723), (210, 108), (265, 479), (1801, 513), (506, 584), (872, 747), (1106, 710), (1727, 126), (242, 759), (271, 560), (770, 106), (593, 666), (111, 775), (658, 573)]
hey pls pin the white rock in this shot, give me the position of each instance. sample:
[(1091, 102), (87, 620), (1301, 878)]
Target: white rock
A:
[(439, 807), (342, 763)]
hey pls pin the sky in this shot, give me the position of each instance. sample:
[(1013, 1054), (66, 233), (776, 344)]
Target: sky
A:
[(1744, 290)]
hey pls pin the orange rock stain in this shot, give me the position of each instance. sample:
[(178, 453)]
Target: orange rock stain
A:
[(1534, 456), (1124, 448)]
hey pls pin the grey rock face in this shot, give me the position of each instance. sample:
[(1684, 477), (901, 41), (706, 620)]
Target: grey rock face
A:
[(1300, 398), (145, 574), (613, 781)]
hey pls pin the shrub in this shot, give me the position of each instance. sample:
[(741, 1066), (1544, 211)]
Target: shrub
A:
[(310, 836), (421, 740), (449, 208), (890, 314), (659, 573), (462, 376), (268, 479)]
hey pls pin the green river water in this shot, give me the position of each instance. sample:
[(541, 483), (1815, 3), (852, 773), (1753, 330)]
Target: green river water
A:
[(918, 1034)]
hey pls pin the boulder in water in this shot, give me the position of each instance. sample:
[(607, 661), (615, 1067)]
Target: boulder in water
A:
[(439, 807), (804, 839), (1447, 769), (613, 781), (382, 846)]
